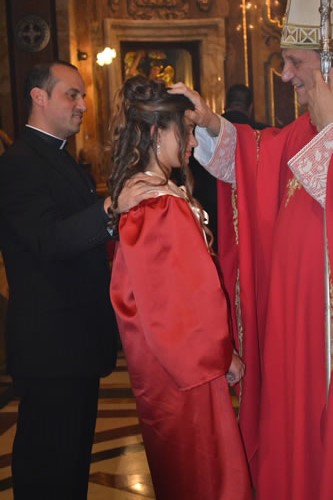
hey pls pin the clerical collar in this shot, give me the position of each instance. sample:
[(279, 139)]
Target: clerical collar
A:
[(52, 140)]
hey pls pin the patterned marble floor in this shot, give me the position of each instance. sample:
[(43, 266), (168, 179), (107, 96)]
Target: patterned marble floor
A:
[(119, 468)]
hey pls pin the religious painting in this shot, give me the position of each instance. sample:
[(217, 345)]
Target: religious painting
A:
[(171, 62)]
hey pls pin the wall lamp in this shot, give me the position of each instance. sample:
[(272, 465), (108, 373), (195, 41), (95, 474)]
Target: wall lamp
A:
[(106, 56), (81, 56)]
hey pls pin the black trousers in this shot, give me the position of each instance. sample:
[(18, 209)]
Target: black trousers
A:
[(54, 436)]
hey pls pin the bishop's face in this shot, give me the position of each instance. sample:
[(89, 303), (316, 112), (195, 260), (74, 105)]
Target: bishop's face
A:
[(298, 70)]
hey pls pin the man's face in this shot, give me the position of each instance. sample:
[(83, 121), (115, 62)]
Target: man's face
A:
[(298, 70), (64, 108)]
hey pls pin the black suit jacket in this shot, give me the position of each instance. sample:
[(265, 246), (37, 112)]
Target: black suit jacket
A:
[(52, 235)]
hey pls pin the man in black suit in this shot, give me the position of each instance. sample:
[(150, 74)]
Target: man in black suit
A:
[(60, 329), (239, 106)]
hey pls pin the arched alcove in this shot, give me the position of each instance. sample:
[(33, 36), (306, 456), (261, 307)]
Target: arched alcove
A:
[(209, 34)]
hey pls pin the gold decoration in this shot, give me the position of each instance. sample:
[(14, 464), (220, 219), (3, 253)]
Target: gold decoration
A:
[(167, 75), (245, 42), (331, 308), (331, 300), (275, 77), (158, 9), (237, 304), (240, 332), (204, 5), (292, 185), (234, 211), (258, 138), (275, 12)]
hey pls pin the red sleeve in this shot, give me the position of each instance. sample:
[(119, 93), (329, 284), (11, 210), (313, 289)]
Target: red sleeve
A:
[(178, 297)]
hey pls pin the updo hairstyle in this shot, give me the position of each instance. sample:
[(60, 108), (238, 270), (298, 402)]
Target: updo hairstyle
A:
[(142, 107)]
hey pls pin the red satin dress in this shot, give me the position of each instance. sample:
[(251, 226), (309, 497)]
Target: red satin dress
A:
[(172, 317)]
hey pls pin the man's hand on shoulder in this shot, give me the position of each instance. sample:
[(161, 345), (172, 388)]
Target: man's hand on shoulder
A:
[(138, 188)]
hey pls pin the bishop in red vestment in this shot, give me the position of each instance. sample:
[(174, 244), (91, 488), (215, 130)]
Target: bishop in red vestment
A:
[(285, 422)]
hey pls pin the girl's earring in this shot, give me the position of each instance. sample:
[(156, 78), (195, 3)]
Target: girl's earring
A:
[(158, 149)]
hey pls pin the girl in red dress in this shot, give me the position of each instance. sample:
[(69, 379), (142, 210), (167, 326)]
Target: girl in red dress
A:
[(170, 306)]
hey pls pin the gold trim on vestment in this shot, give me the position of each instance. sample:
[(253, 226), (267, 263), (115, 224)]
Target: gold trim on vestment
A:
[(292, 185), (234, 210), (331, 309)]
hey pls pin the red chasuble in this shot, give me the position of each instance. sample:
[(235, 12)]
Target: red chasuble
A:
[(172, 318), (326, 480), (281, 261)]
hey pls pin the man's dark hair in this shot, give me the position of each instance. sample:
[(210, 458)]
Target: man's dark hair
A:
[(41, 76), (239, 95)]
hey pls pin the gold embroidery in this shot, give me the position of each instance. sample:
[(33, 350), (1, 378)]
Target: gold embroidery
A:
[(331, 308), (240, 332), (292, 185), (234, 210), (258, 138), (239, 324), (239, 314)]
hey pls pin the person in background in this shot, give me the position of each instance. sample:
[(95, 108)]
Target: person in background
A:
[(283, 211), (170, 307), (239, 106), (60, 326)]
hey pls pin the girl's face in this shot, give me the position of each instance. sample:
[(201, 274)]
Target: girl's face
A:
[(168, 153)]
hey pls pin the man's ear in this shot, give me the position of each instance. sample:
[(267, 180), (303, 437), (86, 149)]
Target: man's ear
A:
[(38, 96)]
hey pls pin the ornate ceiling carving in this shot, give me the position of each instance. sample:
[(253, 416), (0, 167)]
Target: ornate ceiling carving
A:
[(156, 9)]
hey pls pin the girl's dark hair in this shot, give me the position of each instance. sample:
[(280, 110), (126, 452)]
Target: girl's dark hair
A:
[(142, 107)]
